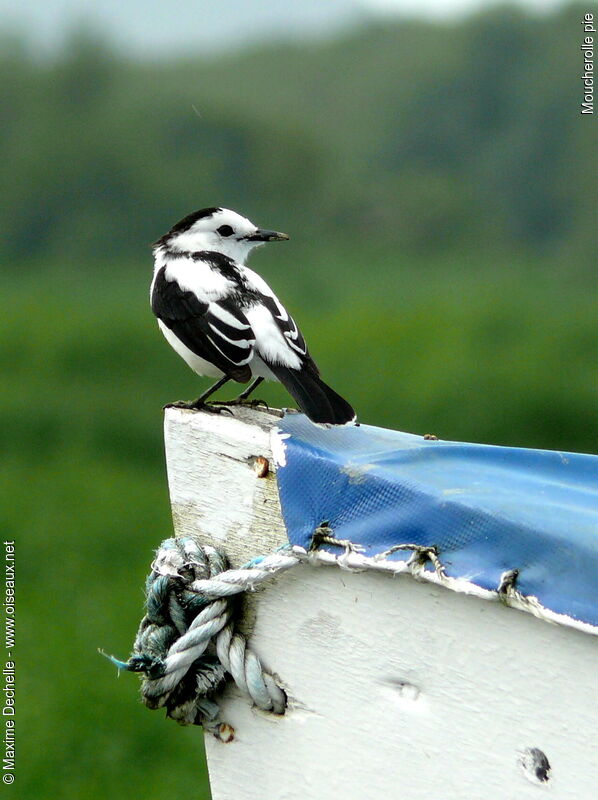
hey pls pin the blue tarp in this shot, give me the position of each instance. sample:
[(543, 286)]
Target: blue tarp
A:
[(486, 509)]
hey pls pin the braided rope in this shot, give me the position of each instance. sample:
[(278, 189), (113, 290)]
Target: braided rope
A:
[(186, 642)]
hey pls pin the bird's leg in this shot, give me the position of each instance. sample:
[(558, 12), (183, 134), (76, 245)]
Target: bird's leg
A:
[(200, 403), (244, 395), (201, 400)]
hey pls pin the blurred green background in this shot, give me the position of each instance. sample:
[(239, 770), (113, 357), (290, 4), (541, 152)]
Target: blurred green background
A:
[(438, 184)]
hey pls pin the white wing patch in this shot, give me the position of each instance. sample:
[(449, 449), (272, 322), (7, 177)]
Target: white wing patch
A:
[(288, 328), (236, 342), (226, 351), (294, 338), (230, 335), (270, 341), (225, 316)]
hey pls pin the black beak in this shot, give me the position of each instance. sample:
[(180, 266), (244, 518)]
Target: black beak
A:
[(267, 236)]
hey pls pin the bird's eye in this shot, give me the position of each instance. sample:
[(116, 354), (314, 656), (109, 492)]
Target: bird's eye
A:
[(225, 230)]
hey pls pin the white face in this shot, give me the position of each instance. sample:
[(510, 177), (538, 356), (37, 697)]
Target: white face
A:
[(225, 232)]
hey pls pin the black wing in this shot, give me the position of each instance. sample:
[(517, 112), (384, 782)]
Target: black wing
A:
[(216, 331), (287, 325), (314, 397)]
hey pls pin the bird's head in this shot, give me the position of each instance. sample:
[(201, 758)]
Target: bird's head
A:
[(220, 230)]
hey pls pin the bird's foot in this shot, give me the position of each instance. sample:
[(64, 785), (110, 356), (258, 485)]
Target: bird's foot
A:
[(198, 405), (178, 404), (253, 402), (246, 401)]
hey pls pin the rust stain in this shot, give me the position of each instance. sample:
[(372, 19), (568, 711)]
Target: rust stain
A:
[(261, 466)]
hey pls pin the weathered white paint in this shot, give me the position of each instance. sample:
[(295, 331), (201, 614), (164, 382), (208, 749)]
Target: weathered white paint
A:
[(213, 485), (399, 689)]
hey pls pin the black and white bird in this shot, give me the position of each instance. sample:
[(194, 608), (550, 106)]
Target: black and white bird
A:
[(225, 321)]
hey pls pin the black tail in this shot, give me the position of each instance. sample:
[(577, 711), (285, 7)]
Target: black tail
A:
[(313, 396)]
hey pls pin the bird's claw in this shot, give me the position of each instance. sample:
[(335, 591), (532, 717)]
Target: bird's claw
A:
[(178, 404), (253, 403), (210, 408), (216, 408)]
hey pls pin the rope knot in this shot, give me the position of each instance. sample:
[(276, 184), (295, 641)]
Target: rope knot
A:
[(186, 644)]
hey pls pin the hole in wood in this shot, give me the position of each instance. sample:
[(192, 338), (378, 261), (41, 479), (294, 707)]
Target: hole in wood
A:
[(535, 765)]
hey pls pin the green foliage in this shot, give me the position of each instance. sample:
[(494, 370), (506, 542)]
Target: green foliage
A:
[(423, 136)]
